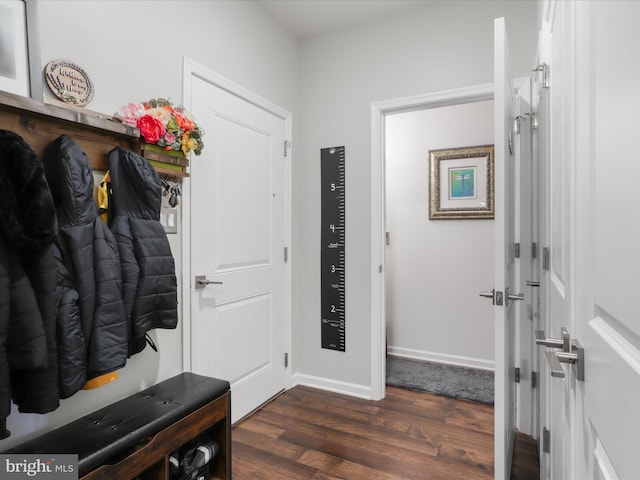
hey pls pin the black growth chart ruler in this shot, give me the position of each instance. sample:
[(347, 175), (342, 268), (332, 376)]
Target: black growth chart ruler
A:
[(332, 253)]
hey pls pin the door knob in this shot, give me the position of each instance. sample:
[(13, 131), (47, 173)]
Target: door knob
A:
[(201, 282)]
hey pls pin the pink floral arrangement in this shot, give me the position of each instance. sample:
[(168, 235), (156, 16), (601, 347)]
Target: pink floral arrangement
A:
[(163, 124)]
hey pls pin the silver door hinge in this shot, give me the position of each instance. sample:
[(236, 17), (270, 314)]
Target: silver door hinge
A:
[(516, 123), (286, 254), (544, 68), (286, 360), (517, 250), (546, 440), (287, 146), (387, 239), (534, 250), (517, 375), (379, 268), (534, 379), (546, 258)]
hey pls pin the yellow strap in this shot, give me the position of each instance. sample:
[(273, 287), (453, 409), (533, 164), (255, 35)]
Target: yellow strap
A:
[(100, 381), (103, 197)]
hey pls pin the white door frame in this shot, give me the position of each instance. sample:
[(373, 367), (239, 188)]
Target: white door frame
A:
[(190, 68), (379, 110)]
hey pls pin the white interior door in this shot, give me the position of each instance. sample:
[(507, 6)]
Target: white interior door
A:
[(524, 325), (540, 189), (556, 276), (607, 235), (592, 232), (237, 243), (505, 394)]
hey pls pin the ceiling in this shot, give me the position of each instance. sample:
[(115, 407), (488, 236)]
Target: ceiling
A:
[(306, 18)]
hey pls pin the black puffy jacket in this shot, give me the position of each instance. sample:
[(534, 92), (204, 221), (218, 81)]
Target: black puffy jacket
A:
[(92, 323), (28, 366), (148, 269)]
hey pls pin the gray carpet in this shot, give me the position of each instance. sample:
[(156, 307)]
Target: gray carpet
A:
[(449, 380)]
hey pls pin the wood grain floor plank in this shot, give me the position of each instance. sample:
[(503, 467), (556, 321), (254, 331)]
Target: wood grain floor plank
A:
[(343, 425), (437, 431), (345, 469), (309, 434), (256, 426), (254, 464), (270, 445), (483, 462), (479, 418), (412, 465), (323, 476)]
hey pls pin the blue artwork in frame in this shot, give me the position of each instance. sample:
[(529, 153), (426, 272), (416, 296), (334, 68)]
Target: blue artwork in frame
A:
[(462, 182)]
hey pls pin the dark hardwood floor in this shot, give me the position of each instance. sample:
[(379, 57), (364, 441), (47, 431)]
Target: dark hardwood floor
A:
[(317, 435)]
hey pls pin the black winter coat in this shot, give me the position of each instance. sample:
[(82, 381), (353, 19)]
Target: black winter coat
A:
[(148, 269), (28, 366), (92, 323)]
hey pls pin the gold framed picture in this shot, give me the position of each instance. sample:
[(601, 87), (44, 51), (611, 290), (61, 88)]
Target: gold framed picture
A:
[(461, 183)]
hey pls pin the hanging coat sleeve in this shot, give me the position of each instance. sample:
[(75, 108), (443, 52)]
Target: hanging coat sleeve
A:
[(4, 433)]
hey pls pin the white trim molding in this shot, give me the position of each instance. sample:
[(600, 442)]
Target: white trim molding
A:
[(458, 360), (379, 110), (336, 386)]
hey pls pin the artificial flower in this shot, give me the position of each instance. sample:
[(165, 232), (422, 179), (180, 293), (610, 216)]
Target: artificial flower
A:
[(184, 123), (130, 113), (169, 138), (150, 128), (161, 114), (163, 124), (188, 143)]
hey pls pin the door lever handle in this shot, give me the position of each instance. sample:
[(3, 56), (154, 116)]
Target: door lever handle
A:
[(575, 357), (563, 343), (532, 284), (201, 282), (496, 297), (513, 296), (554, 365)]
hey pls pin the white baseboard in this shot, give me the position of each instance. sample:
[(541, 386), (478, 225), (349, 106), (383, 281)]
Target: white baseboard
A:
[(441, 358), (336, 386)]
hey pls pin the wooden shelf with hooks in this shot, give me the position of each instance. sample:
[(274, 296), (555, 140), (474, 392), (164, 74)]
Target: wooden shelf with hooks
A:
[(97, 134), (40, 124)]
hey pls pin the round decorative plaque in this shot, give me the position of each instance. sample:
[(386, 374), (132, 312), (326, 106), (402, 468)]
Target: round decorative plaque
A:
[(69, 82)]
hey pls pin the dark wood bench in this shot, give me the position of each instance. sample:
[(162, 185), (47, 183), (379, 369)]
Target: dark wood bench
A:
[(136, 435)]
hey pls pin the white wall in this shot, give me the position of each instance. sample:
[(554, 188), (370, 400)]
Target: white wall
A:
[(436, 268), (133, 50), (440, 47)]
